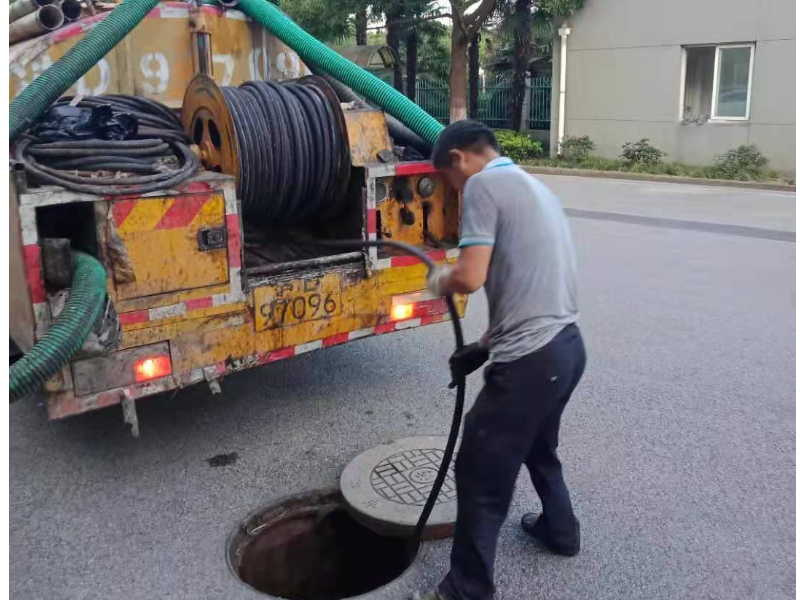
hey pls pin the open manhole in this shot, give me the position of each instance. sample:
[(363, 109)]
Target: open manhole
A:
[(308, 547)]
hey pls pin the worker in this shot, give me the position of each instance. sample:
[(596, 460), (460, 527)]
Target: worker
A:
[(515, 242)]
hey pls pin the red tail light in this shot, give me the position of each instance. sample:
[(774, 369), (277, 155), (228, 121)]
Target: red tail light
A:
[(152, 367)]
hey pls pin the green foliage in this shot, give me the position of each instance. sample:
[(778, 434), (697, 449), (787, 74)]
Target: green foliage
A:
[(743, 163), (433, 53), (518, 146), (327, 20), (576, 149), (676, 169), (641, 153)]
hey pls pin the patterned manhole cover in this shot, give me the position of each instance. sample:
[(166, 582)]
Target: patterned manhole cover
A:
[(407, 477), (386, 487)]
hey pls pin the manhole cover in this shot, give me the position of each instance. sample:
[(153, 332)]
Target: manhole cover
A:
[(386, 487)]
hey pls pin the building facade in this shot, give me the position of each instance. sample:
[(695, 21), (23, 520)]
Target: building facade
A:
[(696, 77)]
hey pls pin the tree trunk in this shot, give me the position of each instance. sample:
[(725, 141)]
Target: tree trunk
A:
[(411, 64), (361, 27), (520, 57), (393, 41), (458, 75), (474, 75)]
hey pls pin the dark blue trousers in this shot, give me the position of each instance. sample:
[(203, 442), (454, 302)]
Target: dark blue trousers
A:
[(515, 420)]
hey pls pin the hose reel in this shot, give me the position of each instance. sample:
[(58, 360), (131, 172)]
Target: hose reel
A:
[(285, 143)]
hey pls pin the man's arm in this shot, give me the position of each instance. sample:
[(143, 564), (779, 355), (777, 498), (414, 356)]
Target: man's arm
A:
[(469, 272), (466, 276)]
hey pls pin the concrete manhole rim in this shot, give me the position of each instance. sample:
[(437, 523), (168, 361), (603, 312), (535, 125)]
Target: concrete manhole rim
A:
[(400, 586), (381, 510)]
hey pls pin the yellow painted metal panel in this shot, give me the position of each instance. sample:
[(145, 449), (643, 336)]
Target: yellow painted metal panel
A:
[(368, 135), (160, 235), (156, 59)]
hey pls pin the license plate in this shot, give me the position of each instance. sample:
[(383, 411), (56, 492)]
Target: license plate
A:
[(297, 301)]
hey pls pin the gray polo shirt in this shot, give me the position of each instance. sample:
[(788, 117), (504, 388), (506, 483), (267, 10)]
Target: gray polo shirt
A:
[(531, 281)]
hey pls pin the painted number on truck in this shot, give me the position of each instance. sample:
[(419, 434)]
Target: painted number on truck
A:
[(297, 301)]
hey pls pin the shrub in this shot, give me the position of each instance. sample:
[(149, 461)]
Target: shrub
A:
[(744, 162), (518, 146), (641, 153), (576, 149)]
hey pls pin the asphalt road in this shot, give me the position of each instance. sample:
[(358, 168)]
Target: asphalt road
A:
[(678, 444)]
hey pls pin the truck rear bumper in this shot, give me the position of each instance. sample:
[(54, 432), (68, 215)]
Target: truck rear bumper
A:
[(67, 403)]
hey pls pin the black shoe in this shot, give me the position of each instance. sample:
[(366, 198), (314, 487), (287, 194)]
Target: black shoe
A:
[(536, 527)]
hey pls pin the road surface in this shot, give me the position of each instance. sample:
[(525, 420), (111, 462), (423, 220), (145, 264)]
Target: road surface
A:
[(678, 444)]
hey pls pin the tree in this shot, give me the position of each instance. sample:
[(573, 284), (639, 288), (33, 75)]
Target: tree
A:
[(466, 25), (418, 14), (407, 22), (433, 50), (324, 19), (528, 24), (411, 63), (521, 22), (393, 16), (473, 73), (361, 26), (332, 21)]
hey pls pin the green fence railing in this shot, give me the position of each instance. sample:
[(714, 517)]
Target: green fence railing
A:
[(493, 102)]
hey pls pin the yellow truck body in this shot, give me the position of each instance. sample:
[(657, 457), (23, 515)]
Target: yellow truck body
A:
[(195, 299)]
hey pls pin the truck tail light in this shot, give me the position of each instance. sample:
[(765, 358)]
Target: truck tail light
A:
[(152, 367), (417, 304), (402, 311)]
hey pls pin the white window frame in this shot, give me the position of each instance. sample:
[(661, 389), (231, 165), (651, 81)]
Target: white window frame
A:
[(715, 87)]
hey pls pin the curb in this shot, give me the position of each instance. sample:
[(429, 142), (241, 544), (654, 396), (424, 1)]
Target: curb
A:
[(753, 185)]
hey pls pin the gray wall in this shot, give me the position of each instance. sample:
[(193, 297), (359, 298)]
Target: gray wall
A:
[(624, 76)]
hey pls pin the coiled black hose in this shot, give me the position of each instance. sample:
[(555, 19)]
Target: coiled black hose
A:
[(159, 140), (148, 113), (158, 179), (291, 152)]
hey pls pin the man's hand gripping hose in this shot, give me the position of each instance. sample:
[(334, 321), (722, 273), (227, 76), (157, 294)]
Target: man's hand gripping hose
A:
[(459, 375)]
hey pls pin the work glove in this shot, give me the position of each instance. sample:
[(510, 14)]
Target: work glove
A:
[(437, 279), (465, 361)]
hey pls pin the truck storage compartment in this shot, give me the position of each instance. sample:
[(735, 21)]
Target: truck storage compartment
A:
[(272, 249), (174, 242)]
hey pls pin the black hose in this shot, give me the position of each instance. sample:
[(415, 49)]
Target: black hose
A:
[(401, 134), (110, 186), (461, 384), (292, 154), (147, 159)]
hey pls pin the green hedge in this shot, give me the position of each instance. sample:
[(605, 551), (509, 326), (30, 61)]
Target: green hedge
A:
[(518, 146)]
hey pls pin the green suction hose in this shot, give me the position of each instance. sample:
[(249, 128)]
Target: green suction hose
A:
[(314, 52), (88, 291), (65, 337), (59, 77)]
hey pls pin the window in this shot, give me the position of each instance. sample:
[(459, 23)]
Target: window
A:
[(716, 83)]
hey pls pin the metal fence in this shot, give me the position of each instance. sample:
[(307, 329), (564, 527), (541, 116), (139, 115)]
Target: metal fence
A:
[(493, 102)]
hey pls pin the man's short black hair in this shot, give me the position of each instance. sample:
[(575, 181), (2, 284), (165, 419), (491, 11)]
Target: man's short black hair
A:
[(462, 135)]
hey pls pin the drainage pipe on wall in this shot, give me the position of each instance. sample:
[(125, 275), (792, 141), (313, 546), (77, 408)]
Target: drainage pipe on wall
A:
[(563, 32)]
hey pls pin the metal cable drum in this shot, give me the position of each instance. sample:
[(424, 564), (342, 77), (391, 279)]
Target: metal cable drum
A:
[(286, 144)]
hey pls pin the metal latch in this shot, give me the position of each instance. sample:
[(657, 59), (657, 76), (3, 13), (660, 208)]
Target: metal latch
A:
[(212, 238)]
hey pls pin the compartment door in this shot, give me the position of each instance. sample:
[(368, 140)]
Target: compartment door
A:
[(174, 243)]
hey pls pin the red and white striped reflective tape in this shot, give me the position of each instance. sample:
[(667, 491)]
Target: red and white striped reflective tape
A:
[(262, 358), (68, 405)]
